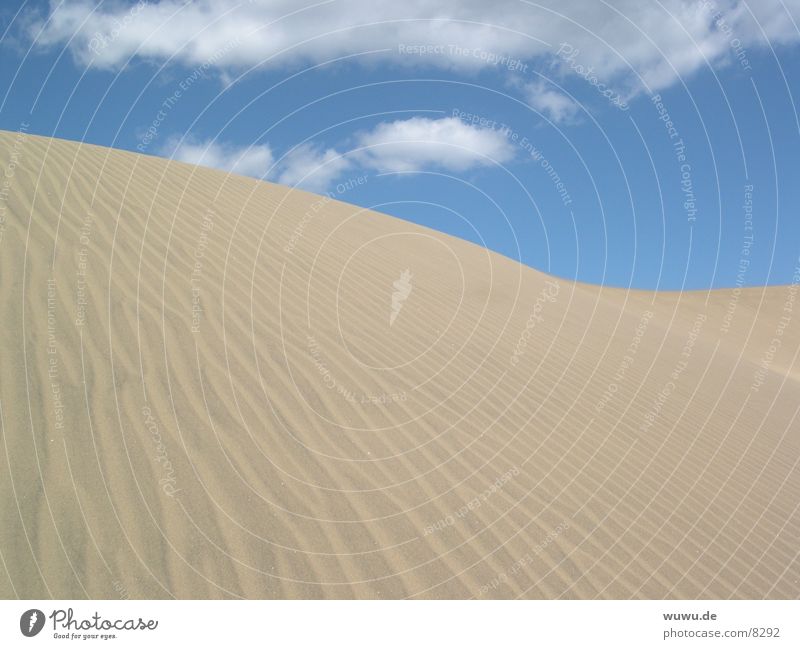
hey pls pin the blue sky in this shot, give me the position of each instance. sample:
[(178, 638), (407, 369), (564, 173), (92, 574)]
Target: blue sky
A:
[(644, 144)]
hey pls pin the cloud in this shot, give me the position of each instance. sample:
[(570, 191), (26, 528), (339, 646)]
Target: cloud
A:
[(421, 142), (403, 145), (553, 103), (252, 161), (623, 39), (311, 168)]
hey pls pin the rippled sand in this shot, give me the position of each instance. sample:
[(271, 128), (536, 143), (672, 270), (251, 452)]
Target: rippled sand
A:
[(217, 387)]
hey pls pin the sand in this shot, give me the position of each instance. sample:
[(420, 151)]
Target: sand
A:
[(214, 387)]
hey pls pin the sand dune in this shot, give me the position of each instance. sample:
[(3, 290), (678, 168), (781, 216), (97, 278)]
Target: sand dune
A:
[(217, 387)]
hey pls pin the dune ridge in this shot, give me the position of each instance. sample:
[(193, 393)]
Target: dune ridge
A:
[(214, 387)]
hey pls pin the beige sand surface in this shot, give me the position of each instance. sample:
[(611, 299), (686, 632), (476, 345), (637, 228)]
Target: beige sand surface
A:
[(201, 395)]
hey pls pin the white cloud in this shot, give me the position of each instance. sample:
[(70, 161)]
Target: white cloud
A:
[(311, 168), (421, 142), (402, 145), (252, 161), (553, 103), (675, 38)]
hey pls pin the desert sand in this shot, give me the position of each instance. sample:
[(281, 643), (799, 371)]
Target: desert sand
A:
[(215, 387)]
